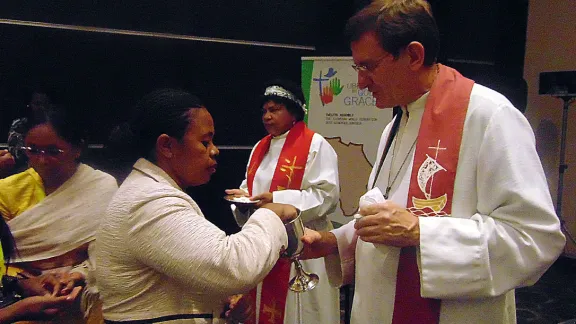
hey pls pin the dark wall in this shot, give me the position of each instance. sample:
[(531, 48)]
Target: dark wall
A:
[(272, 21), (485, 40), (103, 74)]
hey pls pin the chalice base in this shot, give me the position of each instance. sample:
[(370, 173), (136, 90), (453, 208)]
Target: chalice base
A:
[(303, 282)]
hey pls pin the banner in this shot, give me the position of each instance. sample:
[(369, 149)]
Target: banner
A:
[(348, 118)]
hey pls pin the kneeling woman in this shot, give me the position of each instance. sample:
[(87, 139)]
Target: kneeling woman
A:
[(158, 258)]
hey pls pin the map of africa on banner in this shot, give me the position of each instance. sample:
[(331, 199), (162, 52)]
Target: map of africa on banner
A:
[(349, 120)]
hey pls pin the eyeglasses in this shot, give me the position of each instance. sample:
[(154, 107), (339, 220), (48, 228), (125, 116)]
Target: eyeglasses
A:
[(369, 68), (52, 152)]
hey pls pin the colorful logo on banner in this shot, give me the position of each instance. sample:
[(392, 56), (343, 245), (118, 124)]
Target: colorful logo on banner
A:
[(328, 86)]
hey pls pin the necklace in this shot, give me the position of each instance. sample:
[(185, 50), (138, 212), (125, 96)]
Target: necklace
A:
[(390, 184)]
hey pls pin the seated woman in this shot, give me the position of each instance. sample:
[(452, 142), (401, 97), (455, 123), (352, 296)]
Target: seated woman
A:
[(158, 258), (310, 184), (42, 299), (54, 207)]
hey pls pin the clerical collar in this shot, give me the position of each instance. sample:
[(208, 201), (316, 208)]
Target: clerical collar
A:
[(283, 135), (418, 104)]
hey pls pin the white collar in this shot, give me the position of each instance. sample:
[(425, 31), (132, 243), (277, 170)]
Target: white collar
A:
[(416, 105), (281, 136), (155, 172)]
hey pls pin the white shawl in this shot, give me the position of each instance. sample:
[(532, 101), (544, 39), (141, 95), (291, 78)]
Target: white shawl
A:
[(66, 219)]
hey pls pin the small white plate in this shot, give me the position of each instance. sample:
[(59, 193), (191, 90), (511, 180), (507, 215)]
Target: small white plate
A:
[(240, 200)]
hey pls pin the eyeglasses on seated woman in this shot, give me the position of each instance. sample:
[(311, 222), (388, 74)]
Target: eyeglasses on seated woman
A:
[(51, 151), (55, 206)]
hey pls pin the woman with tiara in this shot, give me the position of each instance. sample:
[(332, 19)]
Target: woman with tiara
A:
[(292, 165)]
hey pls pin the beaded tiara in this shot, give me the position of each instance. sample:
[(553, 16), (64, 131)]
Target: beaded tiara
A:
[(278, 91)]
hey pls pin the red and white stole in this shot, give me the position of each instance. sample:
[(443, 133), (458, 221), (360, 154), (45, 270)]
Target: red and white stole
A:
[(432, 184), (288, 174)]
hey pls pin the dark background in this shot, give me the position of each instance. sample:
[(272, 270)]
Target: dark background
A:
[(102, 75)]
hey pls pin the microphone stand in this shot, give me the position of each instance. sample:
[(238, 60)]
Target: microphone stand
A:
[(563, 166)]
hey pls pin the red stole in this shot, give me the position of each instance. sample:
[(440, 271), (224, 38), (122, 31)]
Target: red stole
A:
[(288, 175), (432, 184)]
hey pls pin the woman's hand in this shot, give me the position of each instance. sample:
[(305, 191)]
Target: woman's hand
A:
[(240, 308), (69, 280), (40, 286), (37, 307), (60, 284), (243, 208), (264, 198), (236, 192), (286, 212)]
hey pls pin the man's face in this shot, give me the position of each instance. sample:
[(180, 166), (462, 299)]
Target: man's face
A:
[(378, 71)]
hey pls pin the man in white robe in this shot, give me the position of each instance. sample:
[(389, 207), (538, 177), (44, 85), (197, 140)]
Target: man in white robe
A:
[(502, 231)]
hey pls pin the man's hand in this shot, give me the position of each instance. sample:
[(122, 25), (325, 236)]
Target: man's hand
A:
[(318, 244), (264, 198), (240, 309), (286, 212), (389, 224)]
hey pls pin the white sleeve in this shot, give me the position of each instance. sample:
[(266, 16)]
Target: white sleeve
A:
[(341, 267), (167, 234), (512, 234), (238, 215), (320, 186)]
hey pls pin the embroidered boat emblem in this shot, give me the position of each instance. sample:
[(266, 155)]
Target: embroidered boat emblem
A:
[(429, 206)]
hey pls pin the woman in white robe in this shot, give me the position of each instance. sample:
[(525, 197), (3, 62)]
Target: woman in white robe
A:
[(317, 197)]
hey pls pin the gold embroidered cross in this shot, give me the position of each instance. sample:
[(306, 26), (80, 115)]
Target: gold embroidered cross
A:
[(290, 167), (272, 310)]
